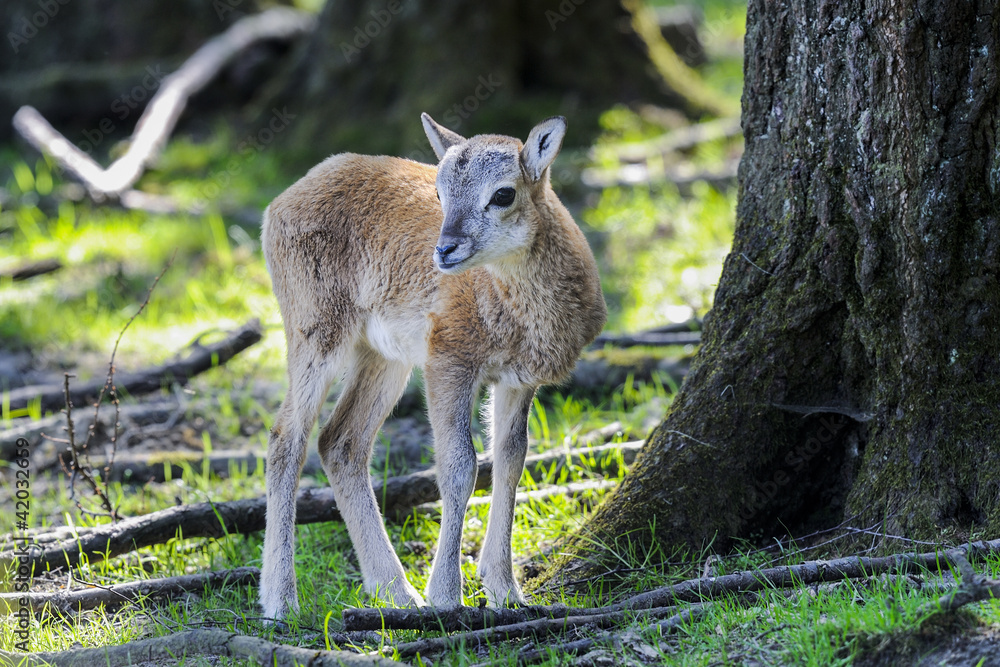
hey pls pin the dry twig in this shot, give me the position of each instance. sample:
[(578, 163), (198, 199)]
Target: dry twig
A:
[(74, 468)]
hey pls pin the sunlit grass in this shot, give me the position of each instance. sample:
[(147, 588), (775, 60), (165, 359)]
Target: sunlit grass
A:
[(663, 253)]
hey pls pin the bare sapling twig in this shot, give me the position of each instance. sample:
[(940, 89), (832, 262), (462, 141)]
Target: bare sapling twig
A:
[(164, 109), (79, 465)]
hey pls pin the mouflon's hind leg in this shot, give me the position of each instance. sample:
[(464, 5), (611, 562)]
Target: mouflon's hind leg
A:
[(371, 389), (509, 410), (309, 382), (450, 391)]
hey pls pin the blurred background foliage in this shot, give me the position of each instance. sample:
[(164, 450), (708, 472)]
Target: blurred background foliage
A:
[(660, 240)]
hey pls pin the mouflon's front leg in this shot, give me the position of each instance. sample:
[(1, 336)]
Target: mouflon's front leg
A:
[(509, 440), (449, 400)]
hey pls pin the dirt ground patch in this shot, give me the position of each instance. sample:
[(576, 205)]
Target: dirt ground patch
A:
[(958, 641)]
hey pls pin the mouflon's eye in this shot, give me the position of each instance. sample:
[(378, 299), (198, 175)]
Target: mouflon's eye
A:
[(503, 197)]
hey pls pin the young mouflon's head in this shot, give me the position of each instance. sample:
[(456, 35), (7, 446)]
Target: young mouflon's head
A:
[(485, 185)]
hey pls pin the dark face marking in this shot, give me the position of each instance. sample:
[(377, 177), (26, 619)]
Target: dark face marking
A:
[(463, 158)]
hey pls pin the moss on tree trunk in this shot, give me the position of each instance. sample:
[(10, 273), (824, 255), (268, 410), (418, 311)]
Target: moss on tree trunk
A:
[(850, 367)]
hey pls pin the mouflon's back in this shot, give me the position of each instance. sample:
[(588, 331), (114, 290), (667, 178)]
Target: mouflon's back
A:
[(355, 233)]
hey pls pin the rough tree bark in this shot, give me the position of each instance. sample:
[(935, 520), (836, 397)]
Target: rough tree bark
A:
[(850, 367)]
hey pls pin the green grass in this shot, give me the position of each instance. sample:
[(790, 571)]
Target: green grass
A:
[(660, 249)]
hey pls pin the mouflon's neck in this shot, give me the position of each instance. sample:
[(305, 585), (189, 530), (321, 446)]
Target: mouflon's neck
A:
[(556, 279)]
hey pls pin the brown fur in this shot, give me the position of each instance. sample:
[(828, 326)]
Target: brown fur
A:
[(350, 248)]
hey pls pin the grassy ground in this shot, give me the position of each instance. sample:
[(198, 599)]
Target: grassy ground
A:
[(661, 251)]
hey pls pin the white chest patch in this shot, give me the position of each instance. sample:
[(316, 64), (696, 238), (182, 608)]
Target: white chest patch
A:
[(397, 340)]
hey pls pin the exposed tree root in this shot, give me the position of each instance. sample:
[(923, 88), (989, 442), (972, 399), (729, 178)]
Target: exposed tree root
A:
[(810, 572), (692, 590), (541, 627)]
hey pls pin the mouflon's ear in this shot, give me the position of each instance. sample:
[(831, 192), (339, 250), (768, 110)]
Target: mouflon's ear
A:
[(441, 137), (542, 146)]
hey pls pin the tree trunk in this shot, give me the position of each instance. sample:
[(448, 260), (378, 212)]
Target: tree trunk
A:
[(475, 67), (850, 368)]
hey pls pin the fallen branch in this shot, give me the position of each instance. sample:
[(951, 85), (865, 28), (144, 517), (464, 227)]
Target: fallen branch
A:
[(678, 76), (597, 436), (164, 109), (118, 594), (313, 505), (52, 397), (668, 626), (658, 172), (27, 270), (542, 627), (44, 453), (680, 139), (172, 649), (571, 490), (429, 619), (152, 466), (974, 588)]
